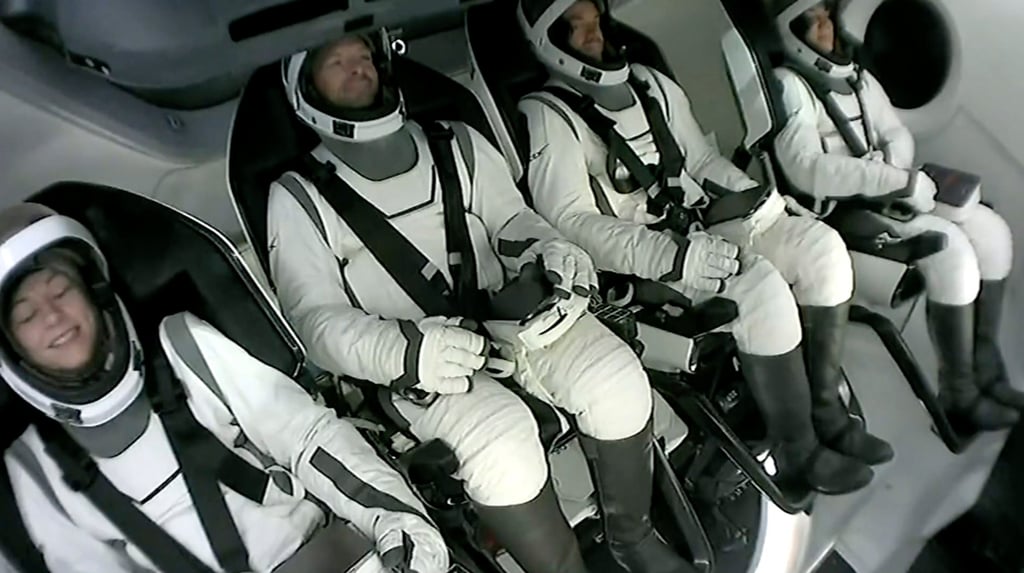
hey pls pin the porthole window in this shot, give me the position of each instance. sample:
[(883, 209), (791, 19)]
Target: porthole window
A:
[(908, 46)]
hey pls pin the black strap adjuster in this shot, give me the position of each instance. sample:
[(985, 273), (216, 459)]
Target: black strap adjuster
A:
[(82, 474)]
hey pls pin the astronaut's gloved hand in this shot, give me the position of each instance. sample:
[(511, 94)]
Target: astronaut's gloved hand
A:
[(440, 355), (568, 267), (706, 262), (413, 546), (922, 193)]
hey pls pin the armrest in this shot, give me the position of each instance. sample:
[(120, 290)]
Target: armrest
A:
[(866, 232), (694, 321), (906, 251)]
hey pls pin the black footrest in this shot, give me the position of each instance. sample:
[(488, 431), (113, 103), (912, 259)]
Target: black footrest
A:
[(695, 321), (956, 441)]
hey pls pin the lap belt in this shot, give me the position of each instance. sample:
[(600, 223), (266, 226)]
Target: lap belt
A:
[(396, 254), (665, 195)]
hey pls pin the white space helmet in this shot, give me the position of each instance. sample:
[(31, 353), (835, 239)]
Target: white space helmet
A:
[(792, 26), (384, 117), (548, 34), (33, 237)]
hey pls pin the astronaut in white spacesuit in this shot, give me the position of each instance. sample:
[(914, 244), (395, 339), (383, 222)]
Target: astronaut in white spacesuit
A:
[(844, 143), (150, 499), (610, 143), (359, 316)]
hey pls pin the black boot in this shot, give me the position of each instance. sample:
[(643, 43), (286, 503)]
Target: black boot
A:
[(623, 473), (535, 534), (989, 368), (780, 388), (824, 333), (952, 333)]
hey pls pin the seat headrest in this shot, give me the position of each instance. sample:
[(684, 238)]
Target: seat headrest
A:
[(432, 96), (266, 139), (756, 26), (506, 63)]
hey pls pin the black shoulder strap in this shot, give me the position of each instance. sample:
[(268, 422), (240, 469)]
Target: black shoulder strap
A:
[(82, 475), (660, 195), (15, 541), (869, 130), (413, 272), (205, 463), (839, 119), (604, 127), (461, 256), (672, 160)]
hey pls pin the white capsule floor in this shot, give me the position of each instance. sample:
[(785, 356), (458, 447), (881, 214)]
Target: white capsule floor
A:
[(883, 528)]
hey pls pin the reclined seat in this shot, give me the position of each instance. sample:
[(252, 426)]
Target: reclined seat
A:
[(685, 360), (885, 266), (267, 139), (162, 262)]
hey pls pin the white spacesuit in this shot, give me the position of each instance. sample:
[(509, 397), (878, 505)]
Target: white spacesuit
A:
[(595, 198), (308, 466), (844, 143), (358, 319)]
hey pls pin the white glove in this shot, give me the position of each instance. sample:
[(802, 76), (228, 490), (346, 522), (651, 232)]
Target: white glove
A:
[(569, 268), (413, 546), (707, 262), (446, 355), (923, 190)]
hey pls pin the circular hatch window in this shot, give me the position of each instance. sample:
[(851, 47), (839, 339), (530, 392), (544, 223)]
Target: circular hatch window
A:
[(908, 47)]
